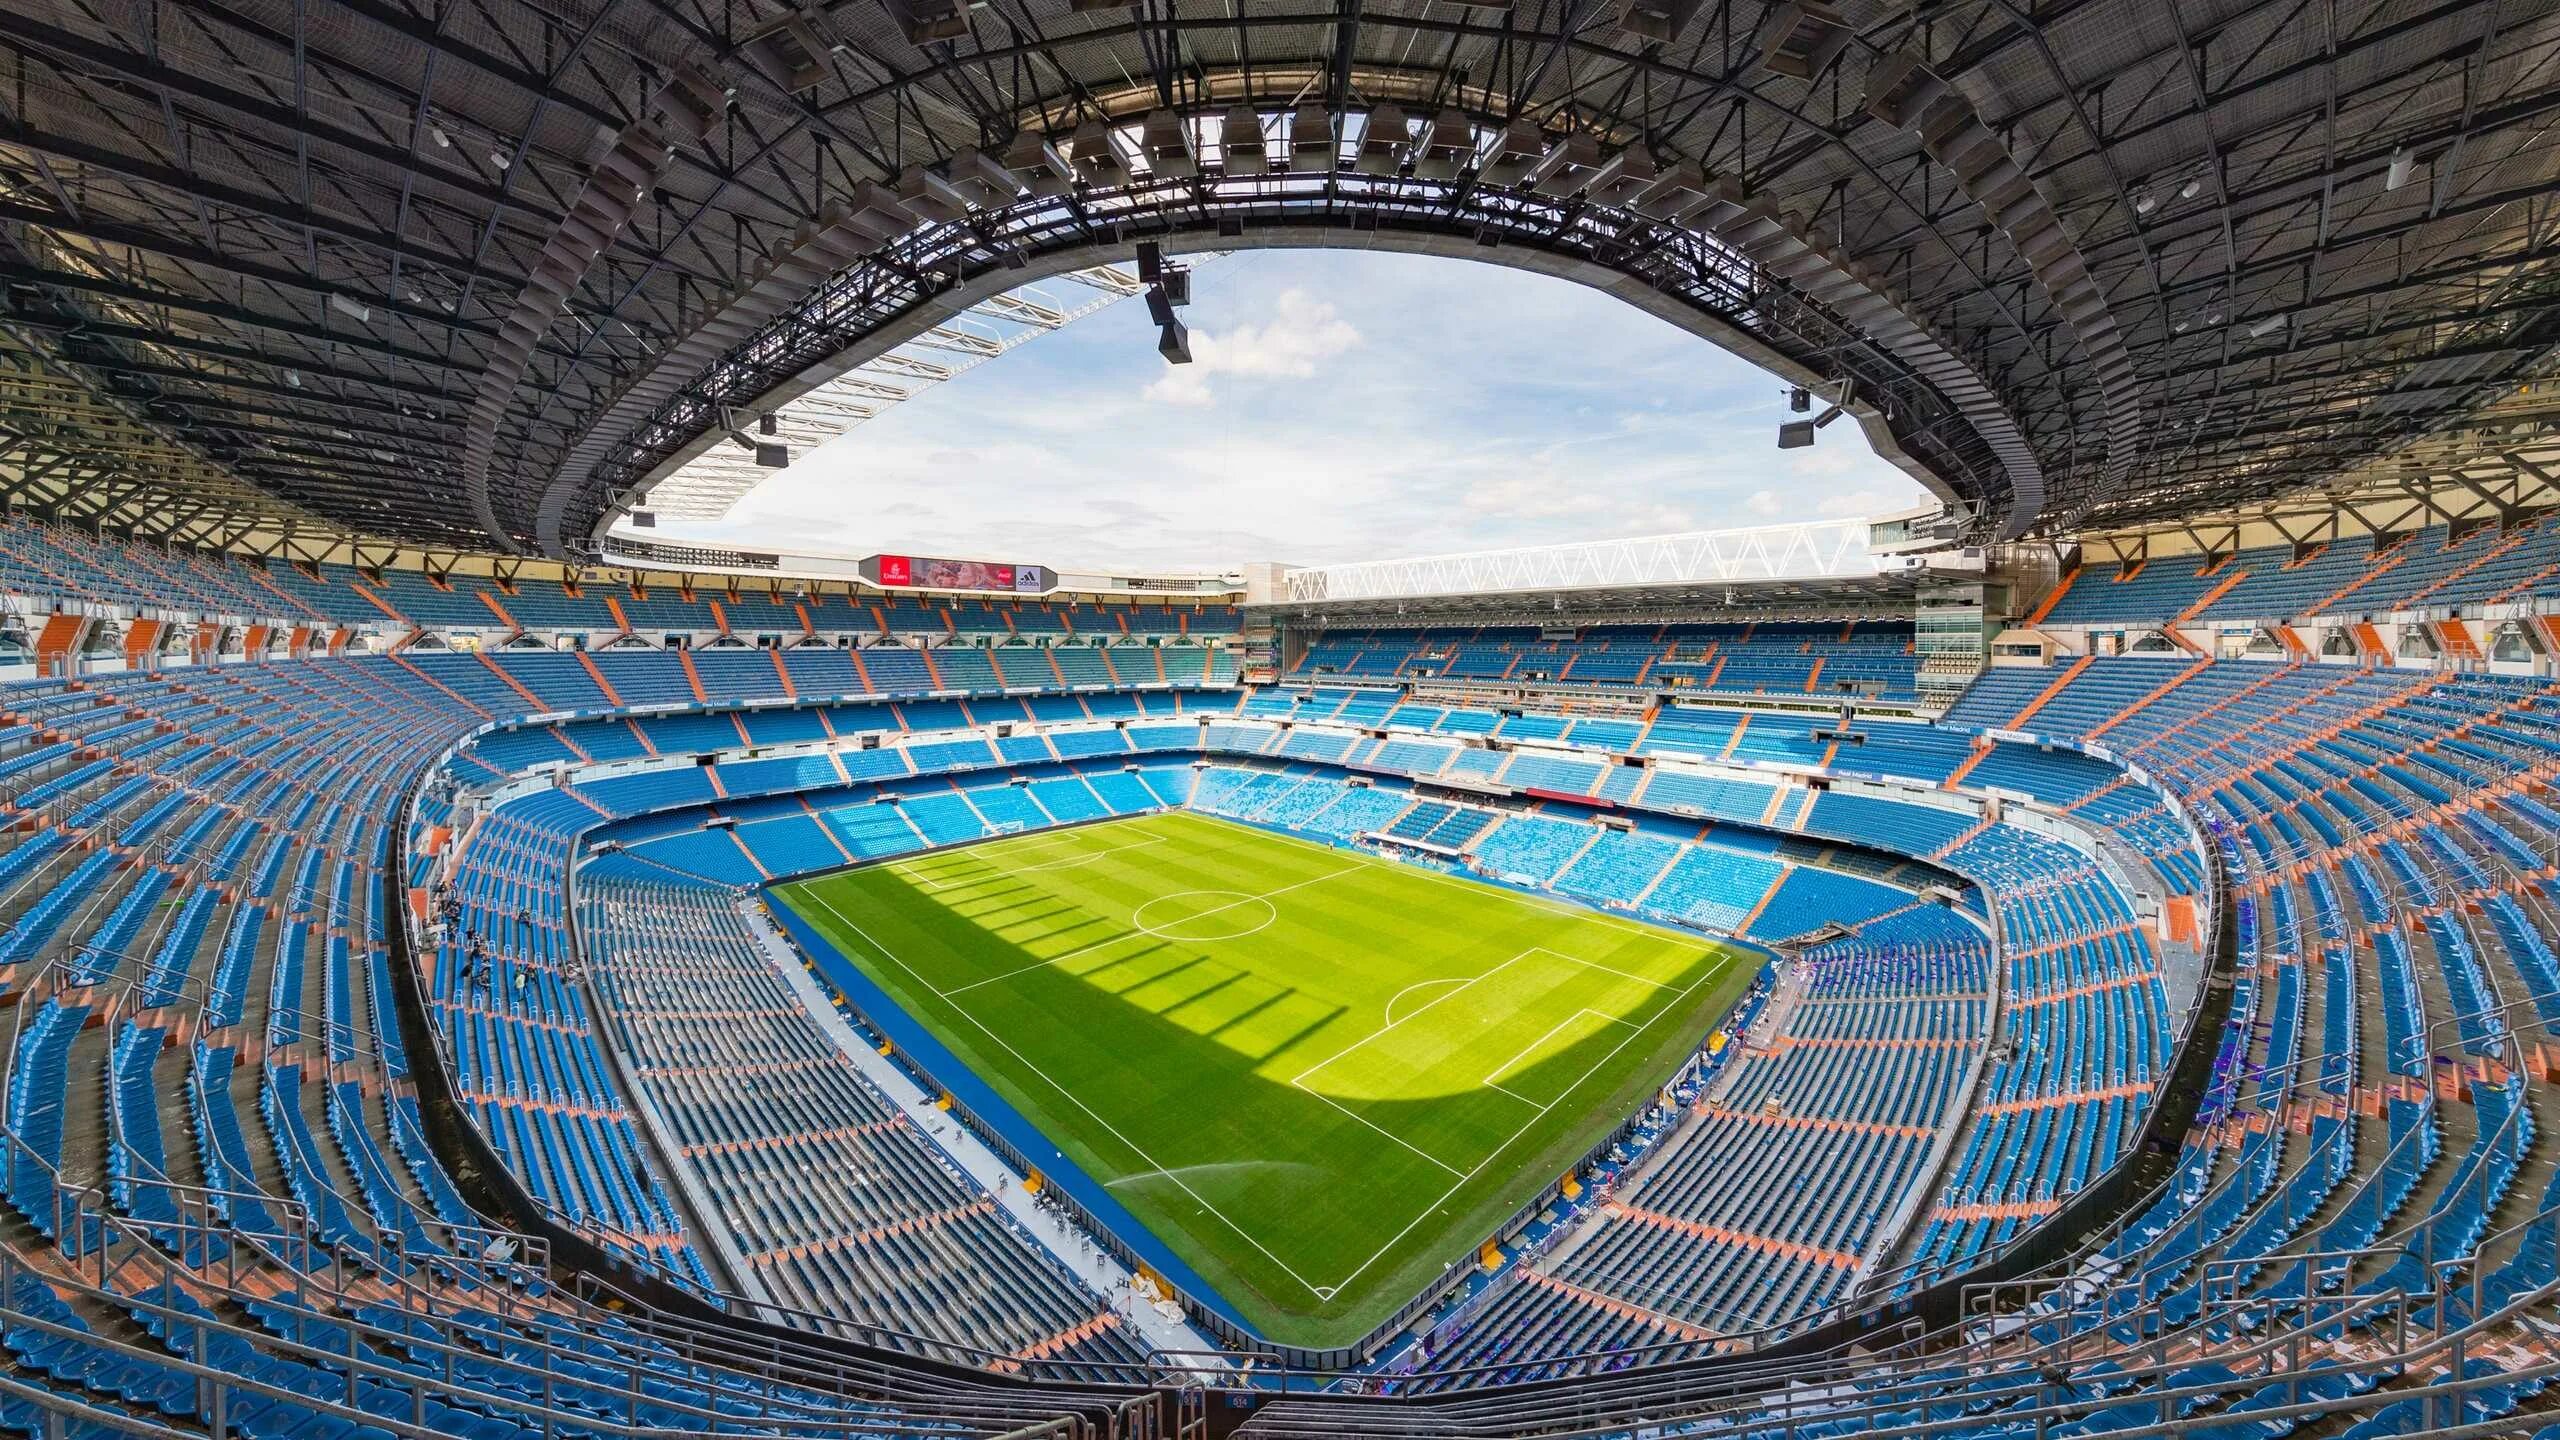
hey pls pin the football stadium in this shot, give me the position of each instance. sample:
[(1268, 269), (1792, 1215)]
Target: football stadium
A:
[(494, 946)]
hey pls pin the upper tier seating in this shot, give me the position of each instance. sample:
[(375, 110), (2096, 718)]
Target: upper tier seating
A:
[(47, 560), (1765, 659), (2433, 568)]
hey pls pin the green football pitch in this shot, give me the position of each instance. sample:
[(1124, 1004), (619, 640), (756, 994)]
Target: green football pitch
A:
[(1317, 1076)]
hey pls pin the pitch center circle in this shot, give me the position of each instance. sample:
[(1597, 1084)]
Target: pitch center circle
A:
[(1199, 915)]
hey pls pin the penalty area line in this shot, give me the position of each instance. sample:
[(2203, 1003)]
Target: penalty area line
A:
[(1634, 1032), (1072, 1098)]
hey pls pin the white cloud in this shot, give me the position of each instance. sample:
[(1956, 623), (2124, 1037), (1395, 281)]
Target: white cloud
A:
[(1862, 502), (1343, 406), (1302, 333)]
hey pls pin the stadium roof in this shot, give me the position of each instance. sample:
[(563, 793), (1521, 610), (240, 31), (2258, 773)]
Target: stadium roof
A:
[(464, 276), (706, 481)]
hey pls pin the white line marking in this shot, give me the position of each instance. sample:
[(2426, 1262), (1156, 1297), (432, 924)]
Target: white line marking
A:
[(1497, 1072), (1038, 964), (1138, 920), (1133, 1147), (1137, 931), (1419, 985), (915, 869), (1381, 1129), (847, 922), (1635, 1030), (1461, 988), (1596, 965)]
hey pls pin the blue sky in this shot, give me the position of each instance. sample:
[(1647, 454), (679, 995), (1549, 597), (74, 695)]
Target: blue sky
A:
[(1344, 405)]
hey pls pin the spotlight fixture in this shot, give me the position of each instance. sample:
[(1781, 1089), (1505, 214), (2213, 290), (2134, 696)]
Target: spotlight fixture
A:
[(2260, 329), (2144, 202), (1242, 147), (443, 141), (771, 454), (2396, 174), (1799, 434), (2188, 190)]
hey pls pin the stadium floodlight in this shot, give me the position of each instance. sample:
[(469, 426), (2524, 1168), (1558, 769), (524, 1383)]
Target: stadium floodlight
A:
[(789, 52), (2261, 328), (1097, 159), (1657, 19), (1624, 176), (1804, 38), (1166, 137), (1312, 146), (1519, 150), (349, 307), (929, 196), (2396, 173), (877, 214), (1568, 166), (1448, 145), (1799, 434), (1241, 142), (1675, 195), (981, 179), (1385, 134), (925, 21), (1038, 167)]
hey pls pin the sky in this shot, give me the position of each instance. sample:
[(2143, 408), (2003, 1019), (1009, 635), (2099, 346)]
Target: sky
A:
[(1342, 405)]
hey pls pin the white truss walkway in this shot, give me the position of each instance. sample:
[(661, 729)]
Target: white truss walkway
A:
[(1813, 550)]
